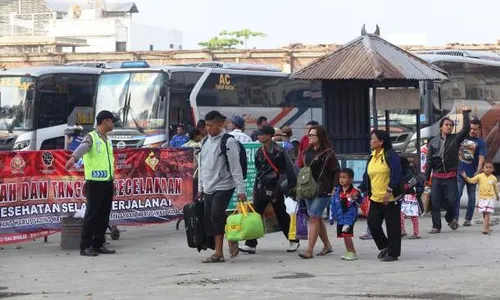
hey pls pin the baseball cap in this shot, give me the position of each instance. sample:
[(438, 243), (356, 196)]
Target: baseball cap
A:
[(104, 115), (238, 121), (266, 129)]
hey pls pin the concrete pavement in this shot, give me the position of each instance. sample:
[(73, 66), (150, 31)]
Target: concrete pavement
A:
[(154, 262)]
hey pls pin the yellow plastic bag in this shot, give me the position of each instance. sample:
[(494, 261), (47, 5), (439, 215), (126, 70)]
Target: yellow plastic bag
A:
[(292, 232)]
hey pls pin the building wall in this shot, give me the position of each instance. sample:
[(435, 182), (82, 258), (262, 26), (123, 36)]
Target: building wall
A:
[(288, 60), (142, 36)]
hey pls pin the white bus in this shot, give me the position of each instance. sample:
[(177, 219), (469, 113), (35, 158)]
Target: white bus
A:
[(36, 103), (474, 81), (150, 101)]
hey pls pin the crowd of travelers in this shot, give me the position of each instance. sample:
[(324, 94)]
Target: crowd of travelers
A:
[(390, 190), (454, 161)]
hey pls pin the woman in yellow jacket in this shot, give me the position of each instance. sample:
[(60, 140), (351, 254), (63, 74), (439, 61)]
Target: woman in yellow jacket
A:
[(381, 182)]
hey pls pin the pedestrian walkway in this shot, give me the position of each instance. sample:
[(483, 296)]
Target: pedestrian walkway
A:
[(154, 262)]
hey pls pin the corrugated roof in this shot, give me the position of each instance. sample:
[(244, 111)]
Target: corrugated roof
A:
[(369, 57), (129, 7), (63, 6)]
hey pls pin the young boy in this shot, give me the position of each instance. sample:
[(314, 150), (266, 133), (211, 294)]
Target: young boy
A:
[(344, 209), (488, 193)]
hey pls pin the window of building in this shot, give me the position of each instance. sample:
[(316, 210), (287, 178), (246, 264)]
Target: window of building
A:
[(121, 46)]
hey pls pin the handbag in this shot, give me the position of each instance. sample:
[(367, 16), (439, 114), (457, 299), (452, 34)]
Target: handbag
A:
[(283, 181), (244, 224), (307, 186), (298, 224)]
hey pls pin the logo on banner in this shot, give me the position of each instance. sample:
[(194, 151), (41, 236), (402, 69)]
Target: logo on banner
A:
[(17, 164), (47, 159), (152, 161)]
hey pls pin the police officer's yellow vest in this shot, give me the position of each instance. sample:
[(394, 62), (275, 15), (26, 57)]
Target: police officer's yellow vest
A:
[(99, 162)]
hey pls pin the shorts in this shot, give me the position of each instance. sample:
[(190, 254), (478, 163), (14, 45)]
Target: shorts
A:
[(348, 233), (486, 206), (215, 211), (316, 207)]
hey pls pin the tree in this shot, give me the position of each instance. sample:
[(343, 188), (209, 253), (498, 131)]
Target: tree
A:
[(246, 34), (230, 39), (220, 43)]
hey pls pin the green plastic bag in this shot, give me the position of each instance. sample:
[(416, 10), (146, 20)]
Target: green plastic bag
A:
[(243, 225)]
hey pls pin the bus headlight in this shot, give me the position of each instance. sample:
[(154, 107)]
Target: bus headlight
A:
[(21, 145)]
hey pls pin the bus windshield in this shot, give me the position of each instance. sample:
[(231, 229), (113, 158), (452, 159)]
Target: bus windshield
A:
[(134, 98), (16, 103)]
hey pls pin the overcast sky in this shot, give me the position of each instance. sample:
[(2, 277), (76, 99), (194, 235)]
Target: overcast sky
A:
[(328, 21)]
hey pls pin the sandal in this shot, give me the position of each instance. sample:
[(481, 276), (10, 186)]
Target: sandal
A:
[(325, 251), (306, 255), (414, 237), (234, 250), (214, 259), (434, 231)]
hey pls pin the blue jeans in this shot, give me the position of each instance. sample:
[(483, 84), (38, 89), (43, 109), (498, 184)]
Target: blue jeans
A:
[(471, 196), (443, 190), (316, 207)]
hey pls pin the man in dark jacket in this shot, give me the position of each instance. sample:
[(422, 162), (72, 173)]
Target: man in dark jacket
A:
[(442, 162), (272, 165)]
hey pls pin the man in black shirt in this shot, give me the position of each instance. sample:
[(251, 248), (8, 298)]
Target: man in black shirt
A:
[(272, 167)]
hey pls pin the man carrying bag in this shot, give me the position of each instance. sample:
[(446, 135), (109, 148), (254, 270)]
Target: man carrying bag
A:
[(275, 177)]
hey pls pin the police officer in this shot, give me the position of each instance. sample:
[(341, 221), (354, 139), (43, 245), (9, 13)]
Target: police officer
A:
[(97, 152)]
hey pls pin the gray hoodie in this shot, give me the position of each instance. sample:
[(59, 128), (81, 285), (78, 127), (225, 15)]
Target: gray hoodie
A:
[(214, 174)]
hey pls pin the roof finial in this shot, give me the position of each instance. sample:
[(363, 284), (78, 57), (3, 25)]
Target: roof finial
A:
[(377, 31), (363, 30)]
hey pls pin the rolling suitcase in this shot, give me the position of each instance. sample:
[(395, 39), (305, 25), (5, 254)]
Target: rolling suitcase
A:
[(195, 227)]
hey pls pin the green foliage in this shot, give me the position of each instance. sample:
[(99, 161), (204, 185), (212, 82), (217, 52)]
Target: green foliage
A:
[(230, 39)]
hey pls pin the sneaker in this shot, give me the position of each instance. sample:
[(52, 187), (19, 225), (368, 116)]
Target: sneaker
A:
[(293, 247), (248, 249), (467, 223), (454, 225), (350, 256)]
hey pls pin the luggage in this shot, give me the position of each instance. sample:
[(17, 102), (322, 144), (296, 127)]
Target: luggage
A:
[(243, 225), (195, 227)]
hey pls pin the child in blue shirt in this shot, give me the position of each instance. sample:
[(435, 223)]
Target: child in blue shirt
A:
[(344, 209)]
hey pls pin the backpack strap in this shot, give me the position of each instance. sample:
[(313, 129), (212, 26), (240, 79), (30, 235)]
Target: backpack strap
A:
[(325, 163), (269, 161), (223, 148)]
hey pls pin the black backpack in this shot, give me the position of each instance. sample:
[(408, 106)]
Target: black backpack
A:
[(411, 182), (242, 151)]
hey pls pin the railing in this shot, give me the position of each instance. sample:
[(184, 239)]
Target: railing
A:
[(36, 24)]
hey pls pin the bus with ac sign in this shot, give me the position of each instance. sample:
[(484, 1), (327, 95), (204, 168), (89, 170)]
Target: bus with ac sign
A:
[(36, 103), (149, 102)]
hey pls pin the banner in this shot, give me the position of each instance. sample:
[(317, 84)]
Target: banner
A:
[(36, 191), (251, 149)]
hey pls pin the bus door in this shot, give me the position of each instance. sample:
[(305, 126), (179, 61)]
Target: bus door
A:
[(180, 112)]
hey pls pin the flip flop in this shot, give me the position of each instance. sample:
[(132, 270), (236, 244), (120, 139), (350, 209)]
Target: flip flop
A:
[(434, 231), (306, 255), (414, 237), (214, 259), (325, 252)]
